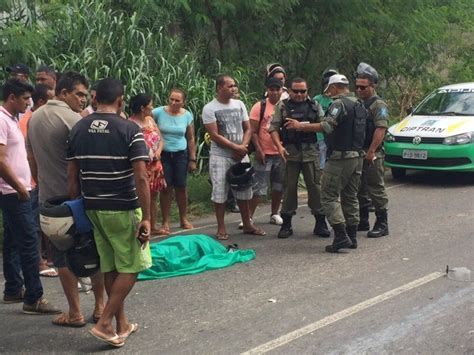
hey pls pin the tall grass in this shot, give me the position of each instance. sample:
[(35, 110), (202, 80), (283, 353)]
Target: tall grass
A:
[(98, 41)]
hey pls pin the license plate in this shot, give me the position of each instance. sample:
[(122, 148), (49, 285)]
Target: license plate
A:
[(415, 154)]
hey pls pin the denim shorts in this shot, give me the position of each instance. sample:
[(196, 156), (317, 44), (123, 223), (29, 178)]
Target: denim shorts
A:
[(175, 167)]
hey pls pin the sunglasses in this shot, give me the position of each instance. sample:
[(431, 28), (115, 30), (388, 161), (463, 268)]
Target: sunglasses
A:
[(362, 87), (302, 91)]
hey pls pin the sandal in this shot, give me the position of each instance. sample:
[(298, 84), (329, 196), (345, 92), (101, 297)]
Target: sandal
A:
[(187, 225), (96, 317), (49, 272), (256, 231), (63, 320), (132, 328), (115, 340), (161, 231), (221, 236)]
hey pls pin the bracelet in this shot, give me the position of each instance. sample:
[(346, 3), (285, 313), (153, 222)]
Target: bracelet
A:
[(193, 160)]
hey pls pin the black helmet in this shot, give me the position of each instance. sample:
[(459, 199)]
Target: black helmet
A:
[(274, 68), (328, 72), (57, 222), (83, 259), (367, 70), (240, 176)]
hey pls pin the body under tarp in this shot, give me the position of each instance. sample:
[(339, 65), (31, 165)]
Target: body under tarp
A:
[(191, 254)]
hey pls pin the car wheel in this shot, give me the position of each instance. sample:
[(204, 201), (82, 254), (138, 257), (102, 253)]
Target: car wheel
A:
[(399, 173)]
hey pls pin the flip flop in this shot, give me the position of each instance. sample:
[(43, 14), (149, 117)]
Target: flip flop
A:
[(220, 236), (161, 231), (256, 231), (50, 272), (133, 327), (96, 317), (187, 226), (116, 341), (63, 320)]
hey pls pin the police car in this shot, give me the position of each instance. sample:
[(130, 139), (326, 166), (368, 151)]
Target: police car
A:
[(437, 135)]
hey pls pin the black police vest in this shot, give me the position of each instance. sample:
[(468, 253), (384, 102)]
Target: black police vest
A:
[(349, 135), (300, 111), (369, 134)]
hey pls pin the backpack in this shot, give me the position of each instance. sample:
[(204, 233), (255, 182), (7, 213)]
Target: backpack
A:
[(263, 106)]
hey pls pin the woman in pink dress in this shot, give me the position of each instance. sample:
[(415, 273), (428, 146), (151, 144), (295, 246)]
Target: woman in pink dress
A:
[(141, 106)]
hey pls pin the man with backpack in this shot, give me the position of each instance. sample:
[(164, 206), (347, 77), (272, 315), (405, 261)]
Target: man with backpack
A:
[(300, 153), (372, 180), (345, 126), (268, 163)]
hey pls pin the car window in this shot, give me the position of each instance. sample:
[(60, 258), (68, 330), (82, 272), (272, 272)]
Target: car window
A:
[(448, 102)]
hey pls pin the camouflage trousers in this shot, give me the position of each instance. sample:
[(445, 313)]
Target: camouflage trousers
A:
[(339, 186), (372, 185)]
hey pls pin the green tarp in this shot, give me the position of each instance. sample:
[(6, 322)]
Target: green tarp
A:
[(191, 254)]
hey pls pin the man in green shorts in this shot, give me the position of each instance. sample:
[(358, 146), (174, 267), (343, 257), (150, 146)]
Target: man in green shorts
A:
[(107, 156)]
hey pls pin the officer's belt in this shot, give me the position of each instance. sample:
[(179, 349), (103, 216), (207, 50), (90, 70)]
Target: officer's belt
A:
[(337, 154)]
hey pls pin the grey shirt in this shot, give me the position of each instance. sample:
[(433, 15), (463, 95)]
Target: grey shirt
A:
[(229, 118), (48, 131)]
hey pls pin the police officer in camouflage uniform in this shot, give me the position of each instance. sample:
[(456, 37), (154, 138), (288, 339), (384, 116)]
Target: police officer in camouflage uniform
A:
[(344, 125), (300, 152), (372, 180)]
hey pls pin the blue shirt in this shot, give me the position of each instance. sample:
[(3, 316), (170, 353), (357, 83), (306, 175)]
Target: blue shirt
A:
[(173, 128)]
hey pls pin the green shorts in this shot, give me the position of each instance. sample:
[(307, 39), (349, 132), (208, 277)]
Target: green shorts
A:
[(117, 244)]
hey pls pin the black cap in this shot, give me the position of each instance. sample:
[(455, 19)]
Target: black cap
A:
[(273, 82), (19, 68)]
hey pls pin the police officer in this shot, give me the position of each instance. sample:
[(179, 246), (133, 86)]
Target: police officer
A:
[(372, 180), (344, 125), (300, 153)]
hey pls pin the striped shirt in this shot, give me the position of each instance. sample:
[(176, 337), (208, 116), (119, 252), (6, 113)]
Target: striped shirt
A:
[(105, 146)]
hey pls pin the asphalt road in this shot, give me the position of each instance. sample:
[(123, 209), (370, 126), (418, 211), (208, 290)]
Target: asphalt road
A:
[(389, 296)]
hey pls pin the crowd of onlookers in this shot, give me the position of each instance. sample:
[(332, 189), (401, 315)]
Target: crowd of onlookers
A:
[(119, 165), (149, 154)]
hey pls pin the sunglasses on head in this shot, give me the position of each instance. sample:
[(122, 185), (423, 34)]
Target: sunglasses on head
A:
[(302, 91)]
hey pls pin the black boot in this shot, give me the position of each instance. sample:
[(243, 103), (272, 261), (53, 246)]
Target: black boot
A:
[(321, 228), (364, 224), (286, 230), (352, 234), (341, 240), (381, 225)]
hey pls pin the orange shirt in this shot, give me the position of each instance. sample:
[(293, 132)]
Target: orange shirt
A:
[(264, 137), (24, 122), (24, 130)]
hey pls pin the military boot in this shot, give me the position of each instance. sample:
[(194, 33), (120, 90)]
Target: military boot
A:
[(321, 228), (381, 225), (364, 224), (352, 234), (341, 240), (286, 230)]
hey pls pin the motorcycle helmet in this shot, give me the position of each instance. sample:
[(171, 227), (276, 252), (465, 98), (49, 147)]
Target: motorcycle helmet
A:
[(240, 176), (57, 222), (366, 69), (83, 259), (274, 68), (327, 73)]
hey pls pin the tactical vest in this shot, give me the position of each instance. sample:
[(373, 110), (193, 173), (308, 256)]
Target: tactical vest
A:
[(349, 135), (369, 134), (306, 111)]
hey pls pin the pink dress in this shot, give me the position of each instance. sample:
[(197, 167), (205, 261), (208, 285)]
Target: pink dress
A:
[(154, 168)]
